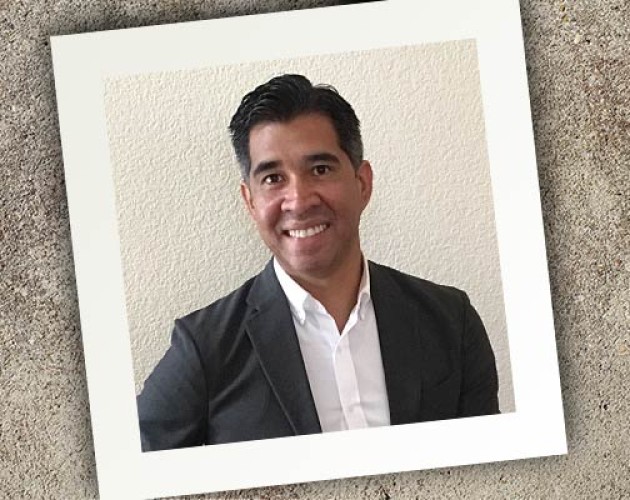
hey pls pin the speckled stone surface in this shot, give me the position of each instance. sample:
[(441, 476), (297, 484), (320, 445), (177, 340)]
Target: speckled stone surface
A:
[(579, 78)]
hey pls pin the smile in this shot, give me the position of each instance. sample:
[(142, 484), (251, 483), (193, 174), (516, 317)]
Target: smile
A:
[(307, 233)]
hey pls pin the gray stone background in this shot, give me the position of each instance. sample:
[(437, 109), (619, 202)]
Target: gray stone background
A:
[(578, 63)]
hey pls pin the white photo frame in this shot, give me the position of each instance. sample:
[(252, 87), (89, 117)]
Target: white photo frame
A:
[(82, 63)]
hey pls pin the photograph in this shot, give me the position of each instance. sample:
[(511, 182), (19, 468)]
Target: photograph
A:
[(424, 184), (297, 251)]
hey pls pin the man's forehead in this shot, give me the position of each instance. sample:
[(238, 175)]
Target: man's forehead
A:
[(312, 122), (304, 130), (304, 138)]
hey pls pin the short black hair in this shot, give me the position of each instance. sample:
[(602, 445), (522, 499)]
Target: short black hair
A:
[(285, 97)]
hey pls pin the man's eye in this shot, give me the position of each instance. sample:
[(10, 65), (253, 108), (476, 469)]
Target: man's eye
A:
[(321, 169), (271, 179)]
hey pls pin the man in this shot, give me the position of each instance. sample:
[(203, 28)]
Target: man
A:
[(322, 339)]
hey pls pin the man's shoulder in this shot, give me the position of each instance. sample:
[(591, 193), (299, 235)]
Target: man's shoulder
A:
[(222, 313), (414, 284), (428, 293)]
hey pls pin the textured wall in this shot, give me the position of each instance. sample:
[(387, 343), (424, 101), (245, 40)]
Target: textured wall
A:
[(184, 234), (578, 71)]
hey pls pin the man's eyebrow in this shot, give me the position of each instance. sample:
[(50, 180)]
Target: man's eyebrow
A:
[(263, 166), (326, 157)]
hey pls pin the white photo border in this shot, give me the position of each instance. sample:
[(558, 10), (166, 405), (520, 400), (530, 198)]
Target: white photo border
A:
[(82, 63)]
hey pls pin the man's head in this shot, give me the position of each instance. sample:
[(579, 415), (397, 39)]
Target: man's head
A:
[(286, 97), (305, 183)]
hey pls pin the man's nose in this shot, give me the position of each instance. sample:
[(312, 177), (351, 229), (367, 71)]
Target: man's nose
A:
[(299, 196)]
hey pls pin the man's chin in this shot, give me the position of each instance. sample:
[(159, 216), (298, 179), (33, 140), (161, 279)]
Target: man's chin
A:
[(306, 267)]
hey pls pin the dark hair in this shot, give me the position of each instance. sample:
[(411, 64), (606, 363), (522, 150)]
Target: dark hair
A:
[(285, 97)]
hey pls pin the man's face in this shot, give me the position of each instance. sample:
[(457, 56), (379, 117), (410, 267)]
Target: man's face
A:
[(305, 196)]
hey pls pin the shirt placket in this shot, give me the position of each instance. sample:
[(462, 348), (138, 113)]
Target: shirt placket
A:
[(346, 377)]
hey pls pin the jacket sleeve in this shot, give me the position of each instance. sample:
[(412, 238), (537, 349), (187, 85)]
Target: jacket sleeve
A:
[(173, 405), (479, 374)]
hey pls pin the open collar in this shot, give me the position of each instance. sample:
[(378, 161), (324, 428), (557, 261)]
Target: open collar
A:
[(300, 301)]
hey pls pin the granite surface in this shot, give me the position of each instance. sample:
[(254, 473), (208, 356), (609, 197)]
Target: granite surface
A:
[(578, 65)]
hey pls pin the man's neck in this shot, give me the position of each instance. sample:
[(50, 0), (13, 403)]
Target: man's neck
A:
[(338, 291)]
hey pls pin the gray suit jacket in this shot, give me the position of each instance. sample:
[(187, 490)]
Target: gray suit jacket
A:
[(234, 370)]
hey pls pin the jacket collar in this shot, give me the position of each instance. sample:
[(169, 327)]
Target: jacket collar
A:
[(272, 333), (401, 350)]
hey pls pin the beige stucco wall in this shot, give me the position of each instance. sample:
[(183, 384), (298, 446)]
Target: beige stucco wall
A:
[(184, 234)]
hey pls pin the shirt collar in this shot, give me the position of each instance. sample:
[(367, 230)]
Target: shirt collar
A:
[(300, 301)]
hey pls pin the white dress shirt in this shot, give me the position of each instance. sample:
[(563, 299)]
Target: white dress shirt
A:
[(345, 370)]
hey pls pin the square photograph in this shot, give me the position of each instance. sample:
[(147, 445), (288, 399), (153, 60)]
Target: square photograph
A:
[(292, 252), (184, 204)]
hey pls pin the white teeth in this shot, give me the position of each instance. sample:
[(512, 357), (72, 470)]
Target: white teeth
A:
[(305, 233)]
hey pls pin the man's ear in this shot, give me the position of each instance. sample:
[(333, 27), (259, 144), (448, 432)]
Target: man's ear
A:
[(246, 194), (365, 176)]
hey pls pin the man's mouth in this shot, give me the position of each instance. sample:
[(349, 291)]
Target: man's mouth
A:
[(308, 232)]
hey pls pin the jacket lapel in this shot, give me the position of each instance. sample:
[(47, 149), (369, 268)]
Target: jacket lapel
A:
[(401, 350), (272, 333)]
